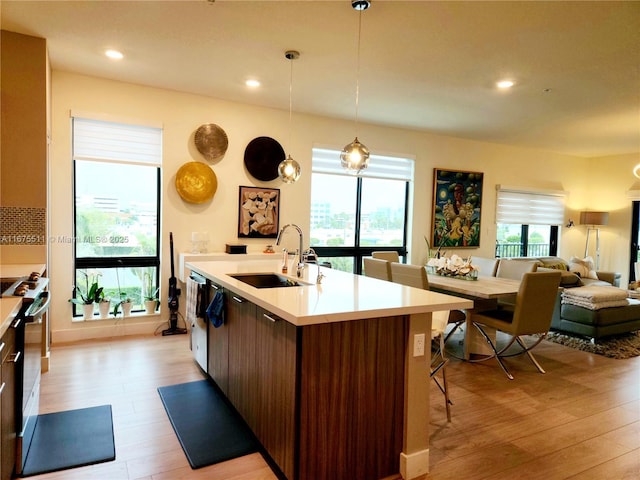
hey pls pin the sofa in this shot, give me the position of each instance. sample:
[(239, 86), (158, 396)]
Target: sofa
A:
[(581, 321)]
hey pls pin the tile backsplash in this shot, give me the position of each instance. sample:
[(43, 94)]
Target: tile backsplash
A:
[(23, 226)]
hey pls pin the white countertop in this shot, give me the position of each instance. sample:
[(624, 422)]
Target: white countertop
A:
[(184, 258), (340, 297), (17, 270), (9, 307)]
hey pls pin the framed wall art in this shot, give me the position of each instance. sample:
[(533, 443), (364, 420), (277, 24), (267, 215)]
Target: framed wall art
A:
[(457, 201), (258, 212)]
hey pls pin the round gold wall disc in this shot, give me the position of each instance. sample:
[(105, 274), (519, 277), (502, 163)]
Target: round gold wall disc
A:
[(211, 141), (196, 182)]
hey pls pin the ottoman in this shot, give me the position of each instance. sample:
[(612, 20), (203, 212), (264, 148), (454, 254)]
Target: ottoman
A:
[(599, 323)]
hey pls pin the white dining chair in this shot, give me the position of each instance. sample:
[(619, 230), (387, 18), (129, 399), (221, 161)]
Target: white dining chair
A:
[(513, 269), (416, 276), (486, 266), (377, 268), (386, 255)]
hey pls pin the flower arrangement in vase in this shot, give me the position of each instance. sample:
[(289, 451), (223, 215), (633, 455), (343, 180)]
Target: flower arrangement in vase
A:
[(454, 266)]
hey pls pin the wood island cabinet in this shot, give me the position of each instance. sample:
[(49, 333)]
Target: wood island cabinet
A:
[(325, 401)]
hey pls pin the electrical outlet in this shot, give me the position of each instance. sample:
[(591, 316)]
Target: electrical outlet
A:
[(418, 345)]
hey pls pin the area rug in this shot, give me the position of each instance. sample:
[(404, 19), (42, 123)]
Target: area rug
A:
[(209, 429), (70, 439), (618, 346)]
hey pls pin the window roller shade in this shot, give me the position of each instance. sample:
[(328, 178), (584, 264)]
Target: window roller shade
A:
[(100, 140), (529, 208), (380, 166)]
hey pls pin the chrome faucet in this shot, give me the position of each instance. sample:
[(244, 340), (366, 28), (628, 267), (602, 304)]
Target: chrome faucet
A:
[(311, 253), (300, 266)]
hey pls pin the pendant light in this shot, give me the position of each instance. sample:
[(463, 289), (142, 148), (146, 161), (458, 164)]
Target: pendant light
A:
[(355, 156), (289, 169)]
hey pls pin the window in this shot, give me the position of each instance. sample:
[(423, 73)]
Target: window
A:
[(117, 209), (351, 216), (635, 241), (527, 222)]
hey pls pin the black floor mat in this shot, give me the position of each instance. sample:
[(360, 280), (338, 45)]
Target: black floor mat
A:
[(70, 439), (210, 431)]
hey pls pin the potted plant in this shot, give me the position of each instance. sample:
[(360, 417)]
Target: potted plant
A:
[(103, 307), (127, 303), (151, 298), (92, 294), (124, 301)]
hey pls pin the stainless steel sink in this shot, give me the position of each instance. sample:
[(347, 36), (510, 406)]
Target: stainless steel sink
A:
[(265, 280)]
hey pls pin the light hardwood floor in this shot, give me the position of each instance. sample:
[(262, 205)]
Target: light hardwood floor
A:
[(579, 421)]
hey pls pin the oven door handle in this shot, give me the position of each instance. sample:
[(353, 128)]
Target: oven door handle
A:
[(41, 309)]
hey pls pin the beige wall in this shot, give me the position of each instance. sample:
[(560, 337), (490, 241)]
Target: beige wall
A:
[(180, 114), (613, 187)]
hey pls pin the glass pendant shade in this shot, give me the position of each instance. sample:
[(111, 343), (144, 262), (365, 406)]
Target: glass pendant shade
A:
[(289, 170), (354, 157)]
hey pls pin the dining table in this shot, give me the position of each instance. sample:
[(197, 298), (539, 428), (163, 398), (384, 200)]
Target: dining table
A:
[(485, 291)]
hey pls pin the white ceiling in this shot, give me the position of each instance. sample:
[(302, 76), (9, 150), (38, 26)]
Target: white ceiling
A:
[(424, 65)]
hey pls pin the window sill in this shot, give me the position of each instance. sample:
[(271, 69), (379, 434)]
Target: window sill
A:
[(98, 318)]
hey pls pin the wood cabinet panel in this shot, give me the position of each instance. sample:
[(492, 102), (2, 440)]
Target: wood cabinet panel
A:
[(276, 388), (8, 426), (352, 399), (326, 401), (240, 320), (24, 120)]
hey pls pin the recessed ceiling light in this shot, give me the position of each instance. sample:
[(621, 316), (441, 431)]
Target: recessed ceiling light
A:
[(505, 84), (252, 83), (114, 54)]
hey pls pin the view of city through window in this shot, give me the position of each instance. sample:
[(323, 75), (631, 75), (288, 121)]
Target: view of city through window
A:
[(334, 214), (116, 217), (333, 209)]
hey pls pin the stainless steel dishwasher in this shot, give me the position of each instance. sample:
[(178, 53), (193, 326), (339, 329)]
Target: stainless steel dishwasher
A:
[(196, 310)]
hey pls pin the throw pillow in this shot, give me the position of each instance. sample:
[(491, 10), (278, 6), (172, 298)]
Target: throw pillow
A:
[(567, 279), (583, 267), (554, 263)]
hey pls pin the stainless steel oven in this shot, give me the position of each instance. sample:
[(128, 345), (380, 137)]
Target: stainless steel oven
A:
[(29, 339)]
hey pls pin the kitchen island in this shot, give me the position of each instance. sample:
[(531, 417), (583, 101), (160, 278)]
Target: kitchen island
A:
[(325, 375)]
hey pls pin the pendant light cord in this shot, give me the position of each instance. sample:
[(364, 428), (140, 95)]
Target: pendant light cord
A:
[(358, 69), (290, 101)]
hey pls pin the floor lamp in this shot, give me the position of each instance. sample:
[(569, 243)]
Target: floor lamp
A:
[(593, 220)]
